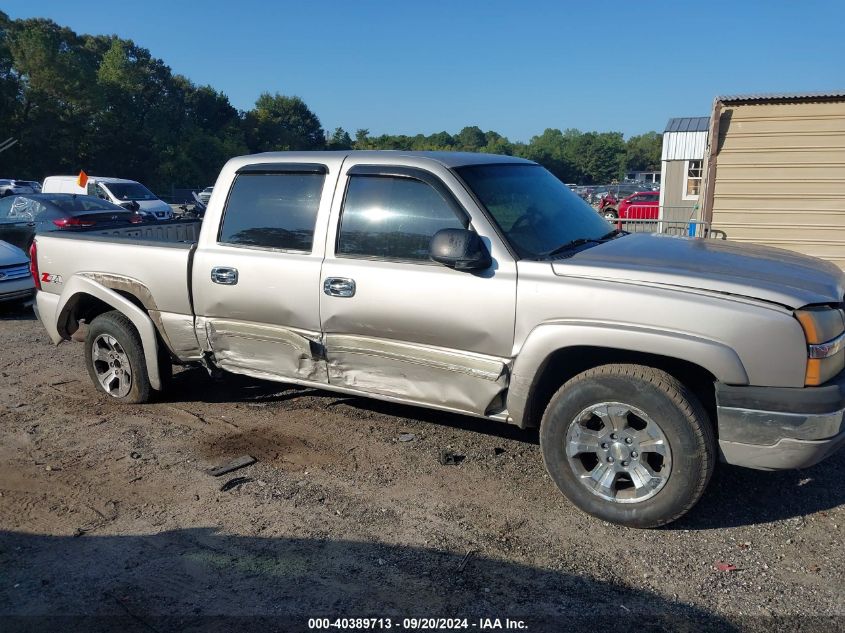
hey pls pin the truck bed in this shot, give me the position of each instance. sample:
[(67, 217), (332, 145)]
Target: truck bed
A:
[(152, 258), (183, 232)]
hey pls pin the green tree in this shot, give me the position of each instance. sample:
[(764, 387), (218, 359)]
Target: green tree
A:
[(339, 139), (10, 85), (471, 139), (600, 156), (642, 153), (48, 73), (279, 122), (362, 136), (142, 115), (555, 150)]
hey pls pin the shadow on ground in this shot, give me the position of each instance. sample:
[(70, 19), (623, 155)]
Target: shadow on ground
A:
[(17, 311), (742, 496), (200, 580), (735, 497), (193, 385)]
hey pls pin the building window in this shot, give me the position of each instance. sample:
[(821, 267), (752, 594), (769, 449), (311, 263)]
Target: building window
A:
[(692, 180)]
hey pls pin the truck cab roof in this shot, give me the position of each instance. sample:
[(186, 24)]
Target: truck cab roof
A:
[(447, 159)]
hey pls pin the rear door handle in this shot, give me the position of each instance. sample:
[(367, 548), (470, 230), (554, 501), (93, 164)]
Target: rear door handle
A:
[(224, 275), (339, 287)]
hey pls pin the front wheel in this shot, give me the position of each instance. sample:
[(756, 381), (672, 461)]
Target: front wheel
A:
[(628, 444), (609, 214), (115, 359)]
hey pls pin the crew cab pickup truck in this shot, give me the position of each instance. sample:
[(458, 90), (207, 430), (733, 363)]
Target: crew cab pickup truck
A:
[(476, 284)]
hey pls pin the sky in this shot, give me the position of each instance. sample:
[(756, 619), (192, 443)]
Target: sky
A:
[(517, 68)]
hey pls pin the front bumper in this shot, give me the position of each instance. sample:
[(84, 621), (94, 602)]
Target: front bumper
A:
[(775, 428), (17, 289)]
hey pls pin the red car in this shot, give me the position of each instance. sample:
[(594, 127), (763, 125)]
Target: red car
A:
[(643, 205)]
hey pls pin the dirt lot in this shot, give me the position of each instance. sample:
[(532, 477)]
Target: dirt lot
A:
[(107, 512)]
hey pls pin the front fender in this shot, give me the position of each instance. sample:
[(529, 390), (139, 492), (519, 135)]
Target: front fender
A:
[(78, 286), (717, 358)]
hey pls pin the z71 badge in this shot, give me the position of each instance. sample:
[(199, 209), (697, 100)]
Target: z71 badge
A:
[(50, 278)]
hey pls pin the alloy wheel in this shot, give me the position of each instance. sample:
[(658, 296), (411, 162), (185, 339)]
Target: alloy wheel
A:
[(111, 364), (618, 452)]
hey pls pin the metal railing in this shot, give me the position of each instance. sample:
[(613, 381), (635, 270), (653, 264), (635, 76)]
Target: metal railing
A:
[(647, 219)]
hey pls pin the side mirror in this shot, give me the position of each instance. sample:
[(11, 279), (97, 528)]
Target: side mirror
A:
[(460, 249)]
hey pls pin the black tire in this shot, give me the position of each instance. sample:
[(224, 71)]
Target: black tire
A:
[(672, 407), (609, 214), (117, 326)]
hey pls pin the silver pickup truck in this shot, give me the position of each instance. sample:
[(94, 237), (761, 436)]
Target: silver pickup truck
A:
[(476, 284)]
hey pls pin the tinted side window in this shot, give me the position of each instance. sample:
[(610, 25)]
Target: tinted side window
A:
[(272, 211), (393, 218)]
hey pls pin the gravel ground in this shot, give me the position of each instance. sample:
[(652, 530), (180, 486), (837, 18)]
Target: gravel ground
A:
[(109, 519)]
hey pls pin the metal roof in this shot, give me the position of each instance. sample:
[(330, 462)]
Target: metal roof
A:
[(688, 124), (783, 97)]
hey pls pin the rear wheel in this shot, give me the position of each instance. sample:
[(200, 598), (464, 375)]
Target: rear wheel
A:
[(628, 444), (609, 214), (115, 359)]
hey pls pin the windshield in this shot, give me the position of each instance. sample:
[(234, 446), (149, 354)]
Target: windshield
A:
[(129, 190), (536, 211)]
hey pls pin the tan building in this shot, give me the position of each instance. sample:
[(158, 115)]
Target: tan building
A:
[(682, 167), (775, 172)]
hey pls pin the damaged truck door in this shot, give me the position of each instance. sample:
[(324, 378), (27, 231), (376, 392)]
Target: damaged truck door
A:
[(256, 280), (412, 327)]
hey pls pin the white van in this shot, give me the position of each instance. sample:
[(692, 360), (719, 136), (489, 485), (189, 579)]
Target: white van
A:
[(117, 190)]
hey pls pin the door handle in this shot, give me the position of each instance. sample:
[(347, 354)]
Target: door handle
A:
[(224, 275), (339, 287)]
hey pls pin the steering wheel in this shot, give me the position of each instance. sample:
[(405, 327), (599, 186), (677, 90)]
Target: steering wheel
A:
[(526, 220)]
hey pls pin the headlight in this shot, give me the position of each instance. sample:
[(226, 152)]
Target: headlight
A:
[(824, 329)]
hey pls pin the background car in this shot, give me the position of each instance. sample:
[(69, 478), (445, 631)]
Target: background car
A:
[(16, 283), (130, 194), (32, 184), (597, 193), (21, 217), (643, 205), (615, 192), (10, 187), (205, 195), (608, 205)]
